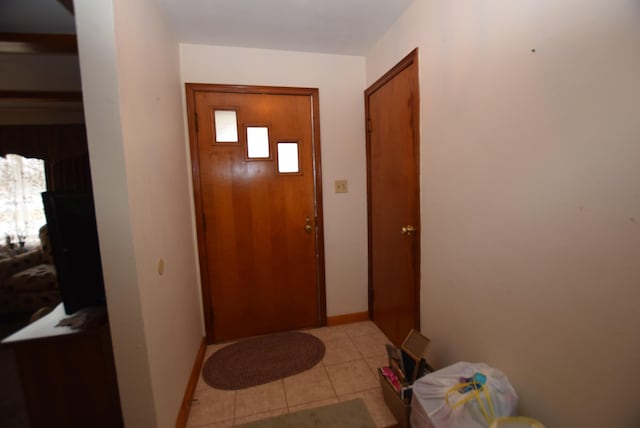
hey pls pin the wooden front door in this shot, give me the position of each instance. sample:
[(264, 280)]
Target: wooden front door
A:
[(392, 105), (256, 175)]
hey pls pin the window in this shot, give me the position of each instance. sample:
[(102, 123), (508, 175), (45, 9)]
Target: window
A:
[(288, 161), (258, 142), (22, 180), (226, 126)]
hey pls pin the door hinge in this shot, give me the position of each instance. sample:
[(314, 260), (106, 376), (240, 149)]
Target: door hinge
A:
[(369, 126), (196, 119)]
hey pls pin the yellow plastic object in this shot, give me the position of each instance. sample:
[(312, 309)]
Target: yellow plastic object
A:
[(485, 407), (515, 422)]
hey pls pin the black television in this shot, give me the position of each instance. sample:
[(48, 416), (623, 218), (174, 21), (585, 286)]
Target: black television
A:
[(71, 223)]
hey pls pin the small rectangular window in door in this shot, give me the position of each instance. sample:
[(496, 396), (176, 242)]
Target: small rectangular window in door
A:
[(288, 158), (258, 142), (225, 123)]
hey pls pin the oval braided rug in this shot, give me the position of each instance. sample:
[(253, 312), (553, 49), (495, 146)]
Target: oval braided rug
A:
[(262, 359)]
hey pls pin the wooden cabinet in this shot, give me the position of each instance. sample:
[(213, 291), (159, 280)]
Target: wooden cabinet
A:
[(68, 375)]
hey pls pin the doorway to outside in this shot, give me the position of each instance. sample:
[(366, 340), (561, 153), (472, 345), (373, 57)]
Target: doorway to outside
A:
[(393, 159), (255, 153)]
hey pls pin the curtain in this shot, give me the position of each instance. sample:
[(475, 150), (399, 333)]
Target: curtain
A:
[(62, 147), (64, 151)]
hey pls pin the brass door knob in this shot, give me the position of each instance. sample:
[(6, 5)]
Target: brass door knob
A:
[(407, 230)]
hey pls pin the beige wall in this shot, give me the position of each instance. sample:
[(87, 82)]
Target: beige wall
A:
[(340, 80), (530, 197), (131, 86)]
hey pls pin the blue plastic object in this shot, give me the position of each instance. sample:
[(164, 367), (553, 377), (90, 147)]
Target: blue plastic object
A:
[(476, 382)]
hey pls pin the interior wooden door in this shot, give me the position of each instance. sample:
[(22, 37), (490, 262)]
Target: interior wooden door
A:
[(256, 171), (392, 115)]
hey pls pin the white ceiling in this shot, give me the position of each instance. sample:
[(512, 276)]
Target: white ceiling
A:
[(329, 26)]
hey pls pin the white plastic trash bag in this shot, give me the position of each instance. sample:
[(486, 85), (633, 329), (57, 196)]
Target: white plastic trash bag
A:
[(463, 395)]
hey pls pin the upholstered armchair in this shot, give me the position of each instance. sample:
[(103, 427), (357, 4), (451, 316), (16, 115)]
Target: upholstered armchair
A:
[(28, 280)]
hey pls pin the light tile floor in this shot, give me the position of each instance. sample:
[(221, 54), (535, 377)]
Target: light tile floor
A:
[(348, 370)]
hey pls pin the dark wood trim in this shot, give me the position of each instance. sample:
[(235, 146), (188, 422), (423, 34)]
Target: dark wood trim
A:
[(247, 89), (183, 414), (348, 318), (317, 169), (410, 59), (197, 192), (191, 90), (28, 43), (41, 96), (67, 4), (405, 62)]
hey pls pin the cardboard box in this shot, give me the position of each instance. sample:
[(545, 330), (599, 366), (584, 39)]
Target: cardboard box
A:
[(408, 359), (413, 349), (400, 408)]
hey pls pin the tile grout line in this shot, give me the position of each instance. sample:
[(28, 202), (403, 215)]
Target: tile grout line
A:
[(326, 372), (284, 390), (235, 403)]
